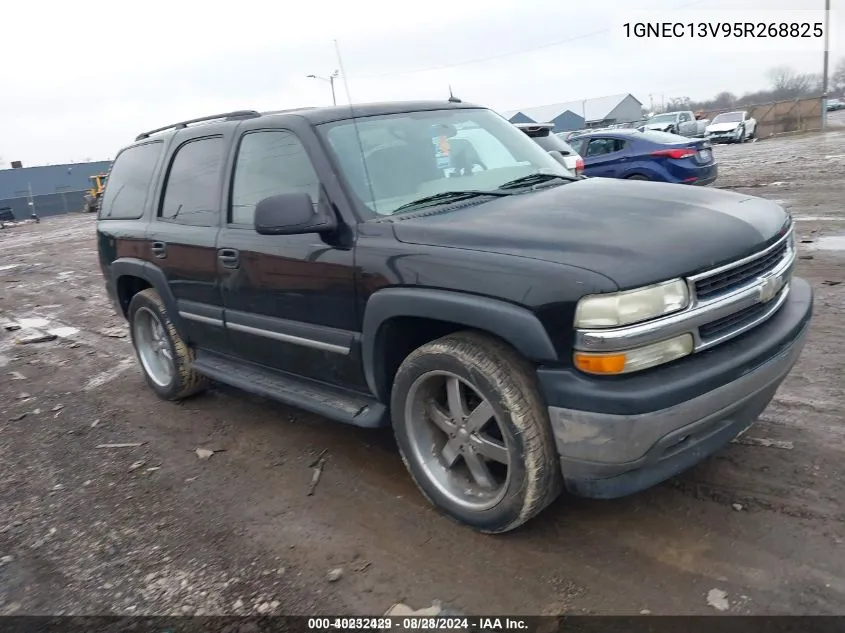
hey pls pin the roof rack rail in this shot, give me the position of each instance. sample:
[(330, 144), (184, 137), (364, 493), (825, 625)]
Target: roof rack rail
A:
[(237, 114)]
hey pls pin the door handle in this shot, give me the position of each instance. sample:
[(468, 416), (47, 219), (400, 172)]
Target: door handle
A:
[(229, 257), (159, 249)]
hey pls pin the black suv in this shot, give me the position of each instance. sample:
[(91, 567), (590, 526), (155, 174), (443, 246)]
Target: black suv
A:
[(428, 266)]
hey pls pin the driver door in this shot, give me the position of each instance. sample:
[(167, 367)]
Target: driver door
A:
[(289, 299)]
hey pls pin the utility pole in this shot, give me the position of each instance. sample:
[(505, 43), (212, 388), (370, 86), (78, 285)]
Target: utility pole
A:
[(33, 213), (826, 61), (330, 79)]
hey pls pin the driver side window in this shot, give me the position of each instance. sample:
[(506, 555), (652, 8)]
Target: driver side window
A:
[(269, 163)]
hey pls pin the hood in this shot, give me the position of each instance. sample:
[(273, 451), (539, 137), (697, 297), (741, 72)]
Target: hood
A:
[(634, 232), (729, 126)]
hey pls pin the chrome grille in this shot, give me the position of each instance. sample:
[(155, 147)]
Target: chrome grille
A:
[(733, 278), (719, 327)]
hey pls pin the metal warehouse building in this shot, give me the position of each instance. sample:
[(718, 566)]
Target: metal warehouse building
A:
[(54, 189), (578, 115)]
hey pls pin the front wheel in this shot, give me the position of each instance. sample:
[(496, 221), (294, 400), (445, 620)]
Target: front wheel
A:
[(637, 177), (474, 433)]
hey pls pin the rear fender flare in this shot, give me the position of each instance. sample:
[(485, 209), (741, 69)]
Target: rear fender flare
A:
[(152, 274), (514, 324)]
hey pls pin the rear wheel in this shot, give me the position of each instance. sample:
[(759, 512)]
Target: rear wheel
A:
[(164, 357), (474, 432), (637, 177)]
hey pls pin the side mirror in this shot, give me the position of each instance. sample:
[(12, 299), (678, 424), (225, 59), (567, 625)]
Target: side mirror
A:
[(291, 214)]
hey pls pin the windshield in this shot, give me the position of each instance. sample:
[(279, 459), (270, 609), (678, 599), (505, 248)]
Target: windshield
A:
[(728, 117), (413, 155), (662, 118)]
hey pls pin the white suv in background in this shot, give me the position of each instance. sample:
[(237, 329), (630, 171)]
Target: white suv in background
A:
[(554, 145)]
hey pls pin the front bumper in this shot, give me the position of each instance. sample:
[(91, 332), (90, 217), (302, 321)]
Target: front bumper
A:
[(722, 137), (621, 435)]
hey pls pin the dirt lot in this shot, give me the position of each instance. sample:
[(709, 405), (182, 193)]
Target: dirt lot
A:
[(154, 529)]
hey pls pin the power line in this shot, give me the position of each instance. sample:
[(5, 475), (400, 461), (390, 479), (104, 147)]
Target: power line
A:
[(532, 49)]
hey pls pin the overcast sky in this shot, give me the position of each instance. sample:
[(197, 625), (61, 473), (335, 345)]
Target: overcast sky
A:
[(80, 81)]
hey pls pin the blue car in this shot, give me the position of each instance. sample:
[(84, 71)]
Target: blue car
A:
[(648, 155)]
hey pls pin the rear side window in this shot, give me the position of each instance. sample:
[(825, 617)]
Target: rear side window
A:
[(270, 163), (129, 182), (190, 195)]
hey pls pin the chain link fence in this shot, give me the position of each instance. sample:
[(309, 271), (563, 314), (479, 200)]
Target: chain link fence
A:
[(45, 205)]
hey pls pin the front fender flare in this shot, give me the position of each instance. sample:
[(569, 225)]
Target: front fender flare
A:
[(512, 323)]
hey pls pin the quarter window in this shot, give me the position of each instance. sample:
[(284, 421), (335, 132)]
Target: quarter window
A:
[(269, 163), (190, 195), (129, 182)]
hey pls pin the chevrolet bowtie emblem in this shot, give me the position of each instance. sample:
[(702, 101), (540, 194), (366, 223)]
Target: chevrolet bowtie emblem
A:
[(769, 288)]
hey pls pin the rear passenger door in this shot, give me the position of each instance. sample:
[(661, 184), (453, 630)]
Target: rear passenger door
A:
[(605, 157), (183, 234)]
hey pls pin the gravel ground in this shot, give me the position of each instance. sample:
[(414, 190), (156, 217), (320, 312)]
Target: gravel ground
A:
[(88, 526)]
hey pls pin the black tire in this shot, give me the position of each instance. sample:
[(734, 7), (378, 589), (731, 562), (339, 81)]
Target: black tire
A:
[(185, 381), (508, 382), (637, 177)]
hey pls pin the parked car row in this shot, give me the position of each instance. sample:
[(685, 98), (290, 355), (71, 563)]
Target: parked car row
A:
[(631, 154)]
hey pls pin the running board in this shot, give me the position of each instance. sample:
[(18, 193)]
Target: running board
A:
[(332, 402)]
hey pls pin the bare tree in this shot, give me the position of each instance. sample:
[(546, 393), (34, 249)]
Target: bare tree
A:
[(724, 99), (788, 84), (678, 103)]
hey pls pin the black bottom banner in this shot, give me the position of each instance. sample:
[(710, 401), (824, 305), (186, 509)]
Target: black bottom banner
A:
[(458, 623)]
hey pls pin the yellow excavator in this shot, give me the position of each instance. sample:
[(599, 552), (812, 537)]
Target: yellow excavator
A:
[(91, 201)]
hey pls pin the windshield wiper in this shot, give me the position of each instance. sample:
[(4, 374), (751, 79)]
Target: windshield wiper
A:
[(447, 196), (533, 179)]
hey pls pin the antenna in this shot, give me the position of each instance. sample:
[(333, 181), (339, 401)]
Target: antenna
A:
[(453, 98), (355, 125)]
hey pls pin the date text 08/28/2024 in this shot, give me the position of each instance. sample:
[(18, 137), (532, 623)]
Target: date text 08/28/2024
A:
[(418, 623)]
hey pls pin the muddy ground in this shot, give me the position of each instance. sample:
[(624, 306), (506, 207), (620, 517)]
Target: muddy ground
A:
[(154, 529)]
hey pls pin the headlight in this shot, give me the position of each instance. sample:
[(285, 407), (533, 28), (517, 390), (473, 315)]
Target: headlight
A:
[(631, 306), (635, 359)]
